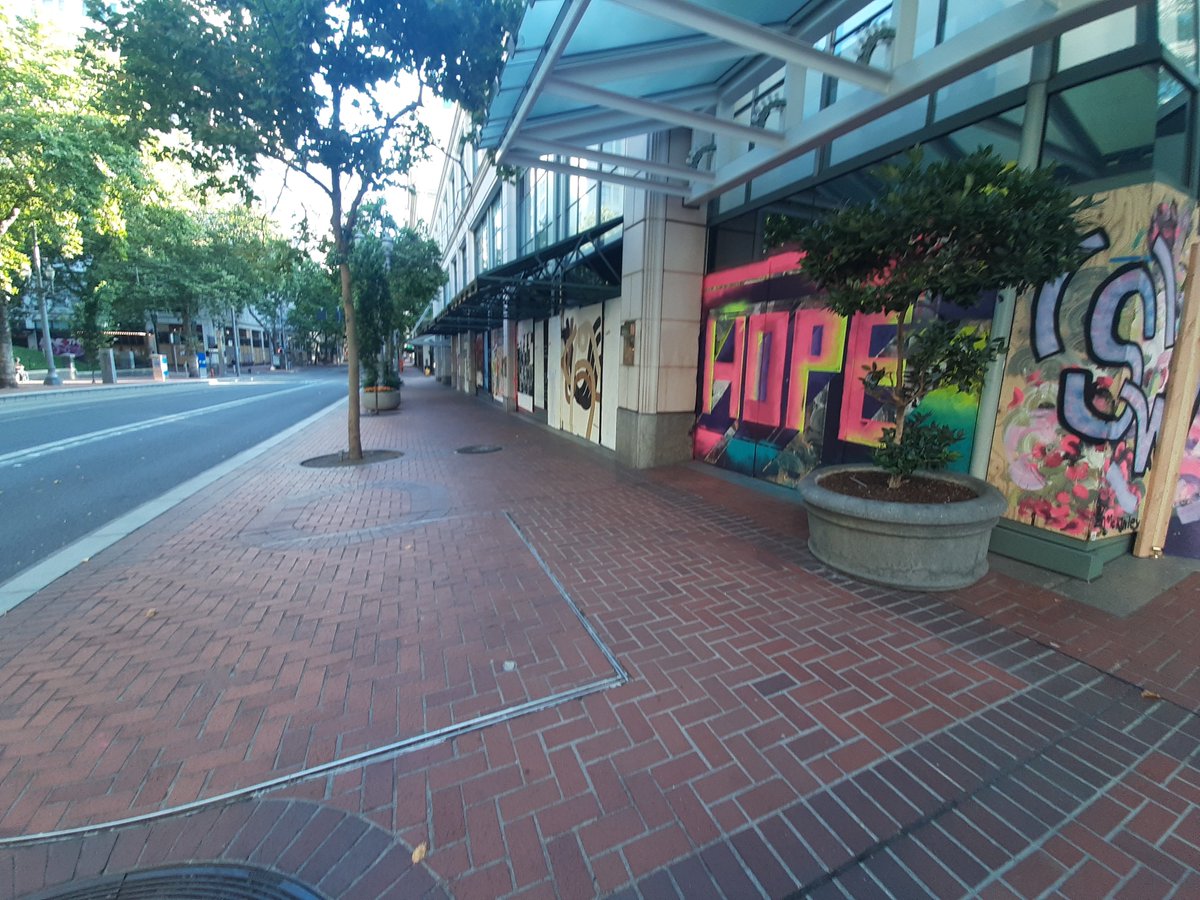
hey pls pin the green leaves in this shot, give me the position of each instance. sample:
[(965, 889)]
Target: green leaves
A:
[(951, 229), (946, 231), (924, 445), (66, 163)]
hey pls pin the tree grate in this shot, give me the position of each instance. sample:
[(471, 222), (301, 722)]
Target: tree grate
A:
[(190, 882)]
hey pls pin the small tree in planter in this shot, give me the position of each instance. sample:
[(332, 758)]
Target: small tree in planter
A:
[(943, 232)]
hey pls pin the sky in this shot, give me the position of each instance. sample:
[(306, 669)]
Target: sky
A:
[(284, 196), (287, 196)]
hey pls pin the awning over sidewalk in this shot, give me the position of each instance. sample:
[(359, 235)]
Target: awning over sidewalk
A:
[(578, 271), (585, 72)]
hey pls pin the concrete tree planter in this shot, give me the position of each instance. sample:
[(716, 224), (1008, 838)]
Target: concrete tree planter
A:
[(380, 401), (918, 546)]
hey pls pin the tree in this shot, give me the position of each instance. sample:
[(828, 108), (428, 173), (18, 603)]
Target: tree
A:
[(943, 232), (190, 262), (311, 84), (396, 271), (314, 304), (66, 159), (415, 275)]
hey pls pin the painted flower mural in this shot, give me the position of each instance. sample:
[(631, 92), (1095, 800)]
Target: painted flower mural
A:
[(1087, 372)]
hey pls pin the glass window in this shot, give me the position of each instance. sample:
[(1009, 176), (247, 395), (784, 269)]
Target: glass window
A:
[(489, 238), (1090, 144), (853, 40), (612, 196), (1177, 29), (1172, 131), (537, 209), (989, 82), (582, 202), (1100, 38), (962, 14)]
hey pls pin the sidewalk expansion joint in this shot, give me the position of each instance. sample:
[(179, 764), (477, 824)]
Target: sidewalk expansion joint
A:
[(392, 750)]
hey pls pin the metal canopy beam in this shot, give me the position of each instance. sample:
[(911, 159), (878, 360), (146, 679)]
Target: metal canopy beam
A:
[(1017, 28), (661, 111), (562, 35), (642, 184), (649, 59), (611, 159), (759, 39), (608, 121)]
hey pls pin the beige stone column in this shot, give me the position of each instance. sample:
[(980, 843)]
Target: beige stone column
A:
[(662, 274)]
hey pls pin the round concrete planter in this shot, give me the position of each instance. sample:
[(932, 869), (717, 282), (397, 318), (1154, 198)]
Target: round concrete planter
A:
[(920, 546), (377, 401)]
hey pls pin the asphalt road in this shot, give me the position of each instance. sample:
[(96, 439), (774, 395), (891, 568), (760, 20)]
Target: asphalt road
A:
[(70, 463)]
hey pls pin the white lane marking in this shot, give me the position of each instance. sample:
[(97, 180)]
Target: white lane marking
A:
[(28, 582), (19, 457)]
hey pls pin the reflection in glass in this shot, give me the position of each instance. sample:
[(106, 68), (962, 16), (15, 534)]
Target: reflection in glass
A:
[(1148, 139)]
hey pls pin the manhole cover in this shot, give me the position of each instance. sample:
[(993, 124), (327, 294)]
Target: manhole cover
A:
[(195, 882), (342, 458), (479, 448)]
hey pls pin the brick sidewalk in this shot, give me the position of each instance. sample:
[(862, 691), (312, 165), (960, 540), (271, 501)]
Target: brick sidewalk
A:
[(782, 729)]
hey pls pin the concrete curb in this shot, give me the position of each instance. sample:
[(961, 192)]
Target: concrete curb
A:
[(24, 585)]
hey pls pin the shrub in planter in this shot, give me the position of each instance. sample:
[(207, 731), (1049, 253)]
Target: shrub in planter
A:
[(941, 233)]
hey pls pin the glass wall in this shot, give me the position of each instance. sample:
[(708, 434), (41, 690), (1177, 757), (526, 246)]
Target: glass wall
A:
[(1177, 30), (556, 206), (489, 237), (1098, 149)]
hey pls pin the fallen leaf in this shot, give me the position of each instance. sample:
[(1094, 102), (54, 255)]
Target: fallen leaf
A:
[(419, 852), (1151, 695), (151, 613)]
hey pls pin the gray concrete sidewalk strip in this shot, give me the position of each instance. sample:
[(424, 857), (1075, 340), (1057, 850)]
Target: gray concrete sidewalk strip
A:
[(29, 582)]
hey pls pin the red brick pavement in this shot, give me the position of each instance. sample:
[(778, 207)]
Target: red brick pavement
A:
[(784, 729)]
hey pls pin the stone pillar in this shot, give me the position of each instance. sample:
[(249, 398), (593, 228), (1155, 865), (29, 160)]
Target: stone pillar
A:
[(510, 366), (444, 364), (108, 367), (662, 276)]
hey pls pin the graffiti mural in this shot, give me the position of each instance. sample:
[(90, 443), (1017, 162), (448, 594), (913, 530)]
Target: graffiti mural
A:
[(1183, 533), (500, 362), (480, 354), (780, 388), (1082, 402), (525, 365), (581, 366)]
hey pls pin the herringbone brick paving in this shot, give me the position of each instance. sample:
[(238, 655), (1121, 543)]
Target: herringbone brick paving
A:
[(784, 729)]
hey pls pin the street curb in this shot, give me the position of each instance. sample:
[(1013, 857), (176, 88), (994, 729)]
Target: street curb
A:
[(27, 583), (25, 395)]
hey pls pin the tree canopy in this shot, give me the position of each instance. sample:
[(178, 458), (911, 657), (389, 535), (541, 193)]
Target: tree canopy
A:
[(67, 160), (332, 90)]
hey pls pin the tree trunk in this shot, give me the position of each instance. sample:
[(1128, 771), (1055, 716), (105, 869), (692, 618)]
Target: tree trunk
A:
[(901, 406), (188, 340), (8, 369), (353, 433)]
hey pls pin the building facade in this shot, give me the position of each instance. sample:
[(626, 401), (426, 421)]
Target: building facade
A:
[(618, 280)]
